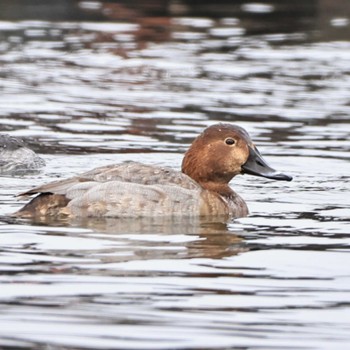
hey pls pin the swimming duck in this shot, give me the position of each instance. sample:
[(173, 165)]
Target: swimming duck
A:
[(16, 158), (132, 189)]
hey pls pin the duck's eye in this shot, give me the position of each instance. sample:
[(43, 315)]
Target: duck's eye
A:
[(229, 141)]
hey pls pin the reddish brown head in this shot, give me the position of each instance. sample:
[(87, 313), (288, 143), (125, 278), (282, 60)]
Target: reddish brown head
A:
[(221, 152)]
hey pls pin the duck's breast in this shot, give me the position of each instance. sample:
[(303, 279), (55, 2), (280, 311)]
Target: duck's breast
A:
[(214, 204)]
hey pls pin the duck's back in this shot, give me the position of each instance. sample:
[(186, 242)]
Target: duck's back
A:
[(132, 172), (128, 189)]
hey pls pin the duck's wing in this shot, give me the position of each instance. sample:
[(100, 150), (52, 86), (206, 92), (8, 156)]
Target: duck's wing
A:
[(125, 199), (55, 187), (114, 199), (131, 172)]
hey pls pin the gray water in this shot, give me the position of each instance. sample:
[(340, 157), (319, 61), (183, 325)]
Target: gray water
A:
[(107, 83)]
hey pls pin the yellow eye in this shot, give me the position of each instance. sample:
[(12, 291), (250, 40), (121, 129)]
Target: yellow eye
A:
[(230, 141)]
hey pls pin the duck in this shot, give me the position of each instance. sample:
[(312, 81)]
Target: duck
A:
[(133, 189), (16, 158)]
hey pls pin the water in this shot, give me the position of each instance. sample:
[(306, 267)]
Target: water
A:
[(105, 83)]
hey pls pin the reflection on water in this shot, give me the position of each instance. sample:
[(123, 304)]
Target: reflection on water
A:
[(90, 83)]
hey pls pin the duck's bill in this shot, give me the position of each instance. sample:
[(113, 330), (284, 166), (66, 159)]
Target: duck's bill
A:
[(256, 165)]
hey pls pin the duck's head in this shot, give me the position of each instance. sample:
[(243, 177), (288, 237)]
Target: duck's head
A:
[(223, 151)]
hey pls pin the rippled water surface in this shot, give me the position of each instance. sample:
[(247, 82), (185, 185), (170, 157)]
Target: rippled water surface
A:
[(110, 82)]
